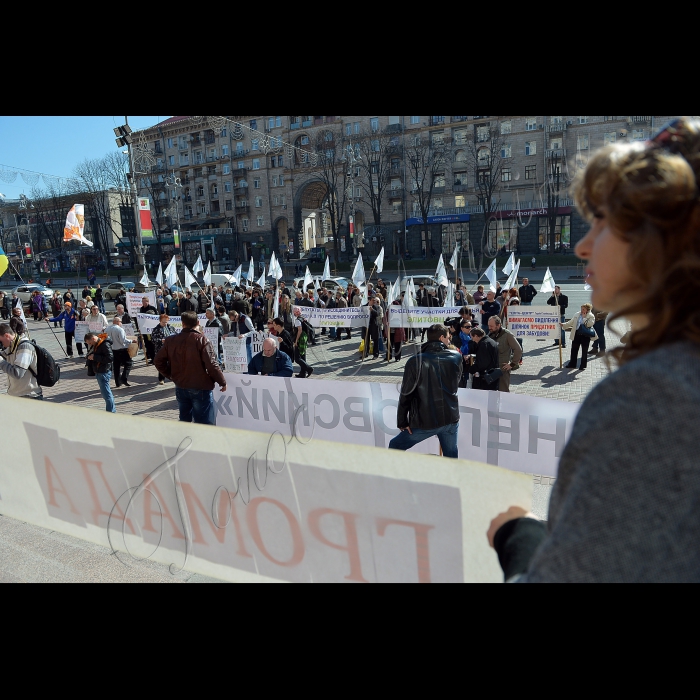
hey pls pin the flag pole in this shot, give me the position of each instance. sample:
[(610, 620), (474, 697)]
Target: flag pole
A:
[(561, 354)]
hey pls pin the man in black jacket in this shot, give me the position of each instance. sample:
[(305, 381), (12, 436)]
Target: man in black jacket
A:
[(428, 404), (562, 301), (489, 308), (485, 359), (148, 308), (372, 334), (101, 356), (527, 292)]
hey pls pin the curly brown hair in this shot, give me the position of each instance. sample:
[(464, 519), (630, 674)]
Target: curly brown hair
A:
[(650, 190)]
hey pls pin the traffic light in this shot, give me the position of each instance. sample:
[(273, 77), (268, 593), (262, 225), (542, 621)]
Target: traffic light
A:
[(123, 134)]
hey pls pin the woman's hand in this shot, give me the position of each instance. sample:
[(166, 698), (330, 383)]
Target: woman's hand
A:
[(512, 513)]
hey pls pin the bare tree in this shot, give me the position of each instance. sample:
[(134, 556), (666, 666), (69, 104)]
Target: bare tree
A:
[(333, 171), (376, 151), (425, 164), (485, 160)]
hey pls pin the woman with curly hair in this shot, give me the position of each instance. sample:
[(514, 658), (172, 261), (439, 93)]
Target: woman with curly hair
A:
[(624, 506)]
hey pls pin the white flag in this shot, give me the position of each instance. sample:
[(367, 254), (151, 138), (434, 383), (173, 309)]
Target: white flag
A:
[(358, 275), (441, 272), (207, 274), (587, 286), (274, 270), (251, 271), (317, 284), (379, 262), (364, 300), (326, 270), (308, 280), (513, 278), (391, 294), (159, 276), (237, 275), (509, 265), (491, 275), (454, 260), (144, 280), (198, 267), (276, 306), (408, 297), (261, 280), (190, 279), (171, 272), (547, 283), (450, 296)]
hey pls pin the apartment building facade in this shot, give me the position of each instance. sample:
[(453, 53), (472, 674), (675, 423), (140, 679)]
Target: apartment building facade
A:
[(252, 185)]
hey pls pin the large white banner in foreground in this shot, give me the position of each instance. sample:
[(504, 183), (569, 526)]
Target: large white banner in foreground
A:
[(515, 431), (251, 506)]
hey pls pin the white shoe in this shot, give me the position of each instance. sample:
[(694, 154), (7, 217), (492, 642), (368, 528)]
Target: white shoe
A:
[(161, 383)]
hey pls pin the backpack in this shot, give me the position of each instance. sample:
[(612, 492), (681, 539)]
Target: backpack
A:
[(308, 329), (47, 371)]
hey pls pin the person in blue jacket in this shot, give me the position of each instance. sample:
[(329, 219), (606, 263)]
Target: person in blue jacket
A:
[(271, 362), (70, 316)]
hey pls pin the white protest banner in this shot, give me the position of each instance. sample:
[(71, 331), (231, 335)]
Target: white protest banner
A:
[(375, 516), (133, 301), (352, 317), (82, 327), (212, 334), (515, 431), (424, 317), (147, 322), (235, 355), (129, 329), (534, 321)]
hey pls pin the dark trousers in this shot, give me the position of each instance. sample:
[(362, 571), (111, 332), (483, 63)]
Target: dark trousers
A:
[(397, 350), (69, 344), (6, 314), (372, 335), (301, 361), (122, 366), (150, 348), (599, 344), (196, 406), (582, 342)]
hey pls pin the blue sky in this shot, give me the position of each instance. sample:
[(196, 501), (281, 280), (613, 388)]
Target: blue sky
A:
[(55, 145)]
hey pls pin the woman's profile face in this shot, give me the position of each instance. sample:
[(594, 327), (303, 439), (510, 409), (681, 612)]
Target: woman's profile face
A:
[(584, 310), (607, 271)]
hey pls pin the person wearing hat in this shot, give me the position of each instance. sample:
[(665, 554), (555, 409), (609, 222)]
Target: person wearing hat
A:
[(70, 316)]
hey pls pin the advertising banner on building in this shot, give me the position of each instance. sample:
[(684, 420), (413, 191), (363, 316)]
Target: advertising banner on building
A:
[(515, 431), (241, 505), (534, 321)]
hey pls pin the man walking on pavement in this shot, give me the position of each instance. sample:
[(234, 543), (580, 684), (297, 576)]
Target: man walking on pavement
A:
[(527, 292), (122, 360), (101, 356), (509, 351), (562, 301), (188, 359), (428, 404)]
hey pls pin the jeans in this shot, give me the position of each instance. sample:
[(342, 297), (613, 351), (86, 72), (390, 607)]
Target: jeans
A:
[(196, 406), (103, 379), (599, 328), (447, 435), (101, 306)]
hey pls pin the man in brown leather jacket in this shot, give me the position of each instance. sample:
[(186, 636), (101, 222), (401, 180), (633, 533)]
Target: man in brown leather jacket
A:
[(189, 359)]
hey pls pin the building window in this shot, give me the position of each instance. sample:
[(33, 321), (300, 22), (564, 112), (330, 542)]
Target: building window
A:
[(258, 202), (439, 180), (358, 192), (261, 221), (214, 190), (275, 200), (254, 124), (506, 151), (223, 132), (460, 137), (200, 191), (280, 159), (356, 127), (281, 180), (396, 207), (278, 121), (254, 145), (244, 223), (582, 142), (304, 140), (562, 233), (437, 138), (374, 145), (374, 123), (461, 178), (271, 123), (505, 175), (224, 150), (583, 120), (555, 121), (283, 199), (348, 129), (274, 180), (436, 203), (227, 186), (609, 137), (530, 172), (171, 160), (506, 127), (530, 148), (256, 183), (256, 164), (483, 133), (227, 168), (229, 205), (241, 165), (555, 144), (531, 124), (461, 156), (415, 120), (460, 201), (170, 143), (637, 135)]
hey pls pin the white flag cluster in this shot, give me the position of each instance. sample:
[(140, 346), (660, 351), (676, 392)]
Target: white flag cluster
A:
[(198, 266), (491, 275), (171, 272), (190, 279), (379, 262), (547, 283), (441, 272), (275, 270), (513, 276)]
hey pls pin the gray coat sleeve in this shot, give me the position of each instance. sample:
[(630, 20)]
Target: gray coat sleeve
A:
[(624, 507)]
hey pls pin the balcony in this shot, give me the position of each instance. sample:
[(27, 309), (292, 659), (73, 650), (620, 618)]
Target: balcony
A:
[(225, 156), (439, 190), (458, 119), (447, 211), (184, 162), (437, 121), (183, 146), (553, 128), (294, 125), (393, 129), (556, 153), (639, 120), (240, 152), (459, 188), (307, 123), (210, 140), (395, 192), (212, 159)]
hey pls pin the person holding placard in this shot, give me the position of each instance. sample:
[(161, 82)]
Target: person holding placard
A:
[(562, 301), (162, 331)]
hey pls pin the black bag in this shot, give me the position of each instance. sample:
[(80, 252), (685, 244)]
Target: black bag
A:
[(585, 332), (47, 371), (492, 375), (308, 329), (90, 364)]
